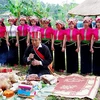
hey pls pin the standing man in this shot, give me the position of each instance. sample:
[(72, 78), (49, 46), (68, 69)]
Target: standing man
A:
[(38, 56)]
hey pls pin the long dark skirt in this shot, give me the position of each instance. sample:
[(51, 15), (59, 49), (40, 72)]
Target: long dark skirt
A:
[(23, 46), (85, 59), (48, 43), (96, 59), (72, 57), (3, 51), (59, 61), (12, 52)]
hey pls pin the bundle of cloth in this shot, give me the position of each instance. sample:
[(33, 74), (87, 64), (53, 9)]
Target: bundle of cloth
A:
[(49, 79), (7, 79)]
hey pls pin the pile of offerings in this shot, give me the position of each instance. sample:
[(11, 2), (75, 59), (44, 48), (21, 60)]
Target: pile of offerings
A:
[(11, 84)]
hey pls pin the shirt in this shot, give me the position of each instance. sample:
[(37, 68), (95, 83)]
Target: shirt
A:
[(71, 35), (12, 30), (59, 34), (2, 31), (33, 29), (86, 34), (96, 34), (23, 30), (46, 32)]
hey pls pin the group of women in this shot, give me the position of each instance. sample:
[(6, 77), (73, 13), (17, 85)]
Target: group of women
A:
[(59, 40)]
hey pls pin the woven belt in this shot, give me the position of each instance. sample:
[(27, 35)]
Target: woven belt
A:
[(2, 39), (12, 38), (22, 39), (46, 41), (96, 42), (84, 43), (57, 42), (71, 43), (96, 47)]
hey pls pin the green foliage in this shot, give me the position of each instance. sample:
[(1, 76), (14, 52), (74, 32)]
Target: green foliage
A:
[(37, 8), (51, 97), (99, 90), (30, 7), (95, 99)]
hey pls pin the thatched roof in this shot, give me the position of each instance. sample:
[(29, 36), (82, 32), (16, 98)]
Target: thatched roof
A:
[(88, 7)]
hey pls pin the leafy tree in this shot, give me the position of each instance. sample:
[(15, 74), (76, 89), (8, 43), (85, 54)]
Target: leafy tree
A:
[(38, 8)]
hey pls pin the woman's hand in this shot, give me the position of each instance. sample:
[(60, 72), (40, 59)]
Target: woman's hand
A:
[(8, 44), (17, 44), (77, 50), (52, 48), (63, 49), (28, 44), (92, 50)]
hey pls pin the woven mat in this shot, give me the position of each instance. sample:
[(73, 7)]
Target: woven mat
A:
[(77, 86)]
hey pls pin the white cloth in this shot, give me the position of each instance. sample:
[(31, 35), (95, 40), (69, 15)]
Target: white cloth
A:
[(40, 46), (11, 30), (71, 33), (85, 33), (57, 35)]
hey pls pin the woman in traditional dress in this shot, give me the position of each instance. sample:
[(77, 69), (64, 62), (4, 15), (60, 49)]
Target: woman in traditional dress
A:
[(34, 25), (85, 36), (22, 37), (71, 39), (46, 33), (11, 41), (95, 47), (3, 43), (59, 61)]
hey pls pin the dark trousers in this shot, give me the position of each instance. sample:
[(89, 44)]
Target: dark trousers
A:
[(72, 57), (96, 59), (23, 46), (48, 43), (85, 59), (12, 52), (59, 58), (3, 51)]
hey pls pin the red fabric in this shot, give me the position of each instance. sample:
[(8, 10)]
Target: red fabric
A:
[(95, 33), (77, 86), (75, 32), (60, 35), (39, 54), (88, 34), (42, 57), (5, 70), (36, 34), (33, 29), (2, 31), (49, 32), (25, 30)]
